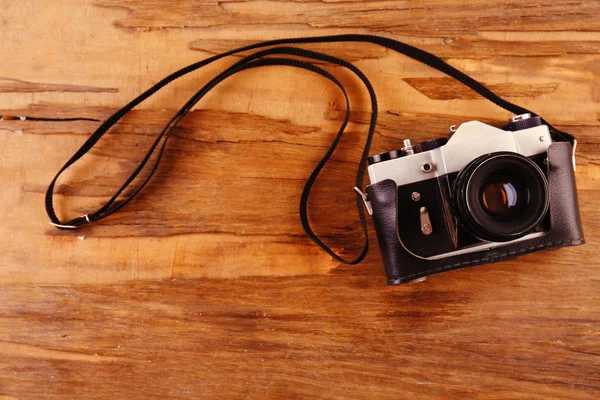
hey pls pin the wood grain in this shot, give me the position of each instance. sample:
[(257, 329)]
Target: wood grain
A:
[(328, 337), (206, 286)]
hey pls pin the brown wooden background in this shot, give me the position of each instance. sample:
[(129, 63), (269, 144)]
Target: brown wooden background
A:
[(206, 287)]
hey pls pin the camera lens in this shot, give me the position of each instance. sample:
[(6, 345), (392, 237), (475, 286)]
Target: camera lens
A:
[(501, 196)]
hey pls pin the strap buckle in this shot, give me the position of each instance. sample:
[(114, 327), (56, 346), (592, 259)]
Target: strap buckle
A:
[(64, 226), (365, 200)]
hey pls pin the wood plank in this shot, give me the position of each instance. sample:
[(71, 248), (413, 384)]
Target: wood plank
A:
[(398, 17), (338, 337)]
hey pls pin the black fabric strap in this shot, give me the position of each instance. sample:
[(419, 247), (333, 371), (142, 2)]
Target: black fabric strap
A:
[(257, 60)]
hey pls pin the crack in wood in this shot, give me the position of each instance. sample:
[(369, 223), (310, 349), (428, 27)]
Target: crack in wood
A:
[(450, 89), (10, 85), (20, 350), (43, 119)]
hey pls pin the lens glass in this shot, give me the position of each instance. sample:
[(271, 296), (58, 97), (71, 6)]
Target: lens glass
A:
[(503, 196)]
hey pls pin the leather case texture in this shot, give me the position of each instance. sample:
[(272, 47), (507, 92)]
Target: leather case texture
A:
[(565, 225)]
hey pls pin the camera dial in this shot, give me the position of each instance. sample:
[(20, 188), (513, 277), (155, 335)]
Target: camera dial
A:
[(388, 155), (407, 150), (431, 144), (523, 121)]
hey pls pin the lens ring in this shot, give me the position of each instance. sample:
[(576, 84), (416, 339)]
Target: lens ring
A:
[(522, 178)]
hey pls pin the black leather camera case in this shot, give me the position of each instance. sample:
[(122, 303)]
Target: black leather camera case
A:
[(565, 225)]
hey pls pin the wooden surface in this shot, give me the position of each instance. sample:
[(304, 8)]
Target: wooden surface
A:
[(206, 287)]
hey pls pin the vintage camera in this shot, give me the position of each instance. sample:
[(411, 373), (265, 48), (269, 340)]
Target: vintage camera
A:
[(486, 194)]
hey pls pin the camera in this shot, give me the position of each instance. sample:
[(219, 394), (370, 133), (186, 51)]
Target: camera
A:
[(484, 194)]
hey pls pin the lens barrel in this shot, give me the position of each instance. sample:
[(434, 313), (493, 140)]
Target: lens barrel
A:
[(501, 196)]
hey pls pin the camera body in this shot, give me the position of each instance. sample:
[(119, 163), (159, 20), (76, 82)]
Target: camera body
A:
[(485, 194)]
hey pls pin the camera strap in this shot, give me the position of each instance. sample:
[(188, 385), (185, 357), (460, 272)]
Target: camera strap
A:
[(262, 59)]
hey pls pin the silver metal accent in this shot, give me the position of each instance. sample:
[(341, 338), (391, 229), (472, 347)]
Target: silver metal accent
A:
[(408, 147), (70, 226), (520, 117), (484, 246), (424, 278), (426, 228), (542, 138), (427, 168), (574, 161), (471, 140), (452, 129), (416, 196), (63, 226), (365, 200)]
